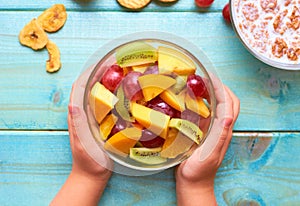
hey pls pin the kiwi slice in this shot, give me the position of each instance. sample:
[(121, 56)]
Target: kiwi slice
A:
[(150, 156), (136, 53), (187, 128), (122, 106), (180, 84)]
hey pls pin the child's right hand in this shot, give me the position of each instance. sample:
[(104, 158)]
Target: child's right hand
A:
[(195, 176)]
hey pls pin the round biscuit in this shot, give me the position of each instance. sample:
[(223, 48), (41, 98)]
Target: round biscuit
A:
[(134, 4)]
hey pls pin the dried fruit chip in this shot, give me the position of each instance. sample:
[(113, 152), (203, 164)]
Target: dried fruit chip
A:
[(53, 64), (53, 18), (134, 4), (33, 35)]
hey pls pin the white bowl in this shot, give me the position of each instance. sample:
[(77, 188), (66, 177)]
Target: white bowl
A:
[(270, 37)]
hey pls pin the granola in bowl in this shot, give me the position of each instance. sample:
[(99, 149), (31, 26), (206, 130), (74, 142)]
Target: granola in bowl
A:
[(270, 30)]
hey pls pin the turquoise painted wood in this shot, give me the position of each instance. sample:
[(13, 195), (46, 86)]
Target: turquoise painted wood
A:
[(30, 98), (258, 168), (262, 165), (106, 5)]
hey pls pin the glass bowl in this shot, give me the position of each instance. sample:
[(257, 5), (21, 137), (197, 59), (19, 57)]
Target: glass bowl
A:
[(269, 30), (157, 50)]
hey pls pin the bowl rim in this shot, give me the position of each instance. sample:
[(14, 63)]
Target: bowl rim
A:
[(254, 52)]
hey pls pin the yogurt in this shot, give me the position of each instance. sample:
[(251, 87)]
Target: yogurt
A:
[(269, 28)]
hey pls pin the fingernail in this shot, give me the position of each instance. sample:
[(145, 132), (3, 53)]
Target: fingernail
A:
[(227, 122), (74, 110)]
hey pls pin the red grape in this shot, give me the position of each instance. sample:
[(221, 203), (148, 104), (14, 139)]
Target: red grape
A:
[(152, 69), (132, 89), (226, 13), (150, 140), (190, 116), (120, 125), (196, 86), (204, 3), (159, 105), (112, 77)]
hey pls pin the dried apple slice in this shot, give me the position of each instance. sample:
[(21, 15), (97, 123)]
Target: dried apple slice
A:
[(33, 35), (54, 18), (53, 64)]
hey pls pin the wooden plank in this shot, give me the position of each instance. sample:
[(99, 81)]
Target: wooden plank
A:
[(258, 167), (30, 98), (108, 5)]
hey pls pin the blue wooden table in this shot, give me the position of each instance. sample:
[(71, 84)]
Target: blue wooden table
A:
[(262, 165)]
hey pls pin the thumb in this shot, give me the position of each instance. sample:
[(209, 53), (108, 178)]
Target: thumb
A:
[(79, 128), (215, 140)]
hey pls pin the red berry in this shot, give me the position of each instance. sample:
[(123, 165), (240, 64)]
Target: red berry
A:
[(196, 86), (112, 77), (226, 13), (204, 3)]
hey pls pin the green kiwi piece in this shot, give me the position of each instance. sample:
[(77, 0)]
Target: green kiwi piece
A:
[(187, 128), (136, 53), (150, 156), (122, 106), (180, 84)]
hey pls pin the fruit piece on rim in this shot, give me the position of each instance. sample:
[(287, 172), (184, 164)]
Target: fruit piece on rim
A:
[(156, 122), (136, 53), (154, 84), (121, 142), (171, 60), (101, 101), (150, 156)]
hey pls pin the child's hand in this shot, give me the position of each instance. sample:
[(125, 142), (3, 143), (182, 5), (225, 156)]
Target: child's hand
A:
[(83, 163), (195, 176), (94, 162), (91, 169)]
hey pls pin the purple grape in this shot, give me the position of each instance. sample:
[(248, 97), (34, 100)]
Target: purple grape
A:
[(131, 87), (151, 140), (159, 105)]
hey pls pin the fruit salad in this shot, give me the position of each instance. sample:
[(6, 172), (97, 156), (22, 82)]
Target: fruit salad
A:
[(150, 104)]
